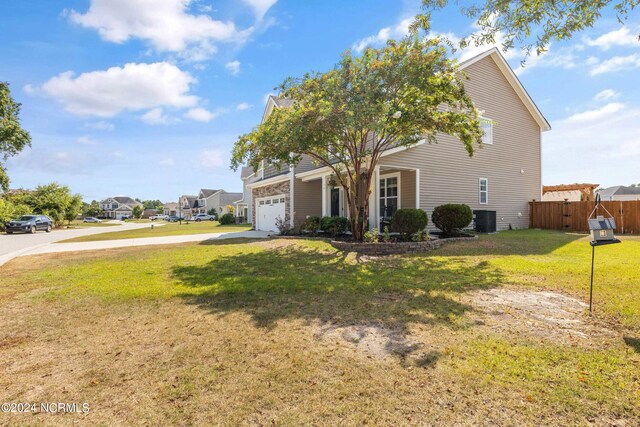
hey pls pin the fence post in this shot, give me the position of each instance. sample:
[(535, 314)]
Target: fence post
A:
[(621, 217)]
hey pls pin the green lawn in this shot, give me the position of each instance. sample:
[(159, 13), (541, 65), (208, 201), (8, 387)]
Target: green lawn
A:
[(163, 229), (292, 332)]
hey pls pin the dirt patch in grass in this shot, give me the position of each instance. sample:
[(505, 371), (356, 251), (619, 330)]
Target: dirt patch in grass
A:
[(543, 314)]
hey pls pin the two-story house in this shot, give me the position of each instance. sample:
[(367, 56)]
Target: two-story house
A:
[(187, 206), (220, 200), (118, 207), (502, 176), (244, 206)]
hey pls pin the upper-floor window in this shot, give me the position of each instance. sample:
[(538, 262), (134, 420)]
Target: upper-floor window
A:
[(486, 125), (483, 191)]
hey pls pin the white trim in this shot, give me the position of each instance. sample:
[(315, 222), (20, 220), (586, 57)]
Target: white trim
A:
[(314, 174), (291, 194), (489, 135), (273, 180), (395, 150), (387, 176), (324, 195), (417, 188), (513, 81), (480, 191)]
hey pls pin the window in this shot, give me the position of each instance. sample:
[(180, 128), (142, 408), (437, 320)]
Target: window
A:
[(484, 191), (486, 125), (261, 202), (389, 195)]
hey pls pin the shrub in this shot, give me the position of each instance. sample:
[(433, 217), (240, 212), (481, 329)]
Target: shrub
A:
[(372, 236), (283, 226), (334, 225), (312, 224), (451, 218), (227, 219), (409, 221)]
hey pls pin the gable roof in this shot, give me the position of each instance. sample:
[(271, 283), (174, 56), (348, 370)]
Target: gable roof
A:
[(515, 83), (229, 198), (207, 192), (246, 172), (619, 190)]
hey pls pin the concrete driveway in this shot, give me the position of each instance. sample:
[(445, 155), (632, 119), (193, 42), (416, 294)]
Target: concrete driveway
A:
[(13, 245)]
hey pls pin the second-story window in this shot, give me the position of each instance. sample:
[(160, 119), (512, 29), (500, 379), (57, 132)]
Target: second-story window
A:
[(486, 125)]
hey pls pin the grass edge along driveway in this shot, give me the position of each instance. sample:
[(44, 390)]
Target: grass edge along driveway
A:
[(167, 229)]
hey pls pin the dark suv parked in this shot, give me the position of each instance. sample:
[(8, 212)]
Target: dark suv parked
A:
[(29, 224)]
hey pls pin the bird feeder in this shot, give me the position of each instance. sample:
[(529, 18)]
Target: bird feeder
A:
[(601, 229)]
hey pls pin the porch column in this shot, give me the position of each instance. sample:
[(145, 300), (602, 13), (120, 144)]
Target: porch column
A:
[(374, 200), (417, 188), (324, 195)]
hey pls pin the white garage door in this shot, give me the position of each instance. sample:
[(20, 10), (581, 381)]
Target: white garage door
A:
[(267, 210)]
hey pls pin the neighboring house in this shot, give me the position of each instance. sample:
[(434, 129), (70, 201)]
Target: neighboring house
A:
[(215, 199), (186, 206), (244, 206), (620, 192), (569, 192), (118, 207), (503, 176), (170, 208), (148, 213)]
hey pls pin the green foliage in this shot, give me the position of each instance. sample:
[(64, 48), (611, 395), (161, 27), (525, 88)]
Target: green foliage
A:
[(137, 211), (372, 236), (409, 221), (386, 237), (153, 204), (10, 209), (213, 213), (528, 24), (403, 93), (74, 209), (13, 139), (334, 225), (227, 219), (451, 218), (93, 209), (313, 225)]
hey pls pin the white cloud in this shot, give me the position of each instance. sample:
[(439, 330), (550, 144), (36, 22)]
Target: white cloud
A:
[(133, 87), (166, 25), (608, 143), (233, 67), (243, 106), (201, 115), (591, 116), (617, 63), (29, 89), (213, 158), (606, 95), (621, 37), (156, 117), (100, 125), (397, 31), (85, 140), (167, 162), (260, 7)]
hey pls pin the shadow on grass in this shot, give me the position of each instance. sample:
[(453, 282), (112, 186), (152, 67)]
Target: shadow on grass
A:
[(634, 343), (514, 242), (294, 283)]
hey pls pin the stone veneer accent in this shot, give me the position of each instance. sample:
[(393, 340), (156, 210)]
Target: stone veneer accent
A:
[(283, 187), (394, 248)]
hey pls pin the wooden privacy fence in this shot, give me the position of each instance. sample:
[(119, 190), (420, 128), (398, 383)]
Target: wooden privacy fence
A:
[(572, 216)]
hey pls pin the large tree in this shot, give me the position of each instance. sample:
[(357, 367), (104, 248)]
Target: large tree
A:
[(347, 117), (528, 24), (13, 138)]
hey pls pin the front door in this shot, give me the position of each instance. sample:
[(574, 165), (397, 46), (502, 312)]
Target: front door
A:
[(335, 202)]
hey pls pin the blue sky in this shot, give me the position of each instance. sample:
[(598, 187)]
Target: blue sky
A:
[(122, 97)]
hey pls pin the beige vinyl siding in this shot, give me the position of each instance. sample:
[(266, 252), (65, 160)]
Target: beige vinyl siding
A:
[(407, 186), (449, 175), (307, 200)]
